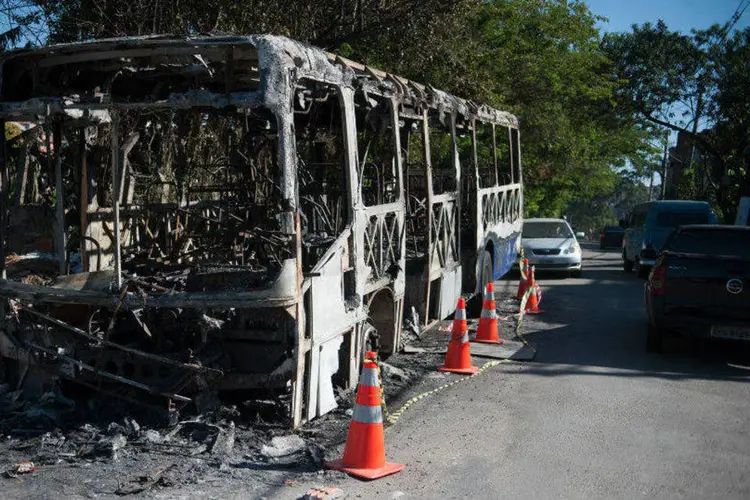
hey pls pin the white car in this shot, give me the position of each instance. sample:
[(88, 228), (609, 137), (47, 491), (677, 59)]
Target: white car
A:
[(550, 245)]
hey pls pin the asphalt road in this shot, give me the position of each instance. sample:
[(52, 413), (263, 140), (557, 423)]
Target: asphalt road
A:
[(594, 416)]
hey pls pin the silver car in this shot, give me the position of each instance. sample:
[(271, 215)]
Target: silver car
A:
[(550, 245)]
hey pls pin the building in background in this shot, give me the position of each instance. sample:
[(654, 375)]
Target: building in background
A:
[(685, 155)]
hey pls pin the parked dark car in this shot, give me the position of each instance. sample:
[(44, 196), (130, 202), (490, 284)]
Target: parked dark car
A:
[(611, 237), (700, 285)]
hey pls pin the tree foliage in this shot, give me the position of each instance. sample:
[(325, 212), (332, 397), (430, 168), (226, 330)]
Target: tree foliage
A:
[(541, 59), (695, 84)]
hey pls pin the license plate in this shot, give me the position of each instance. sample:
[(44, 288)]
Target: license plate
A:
[(731, 332)]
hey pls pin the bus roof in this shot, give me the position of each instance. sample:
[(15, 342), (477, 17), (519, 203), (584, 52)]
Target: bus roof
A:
[(23, 68)]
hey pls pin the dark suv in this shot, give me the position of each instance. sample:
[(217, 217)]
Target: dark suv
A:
[(700, 285)]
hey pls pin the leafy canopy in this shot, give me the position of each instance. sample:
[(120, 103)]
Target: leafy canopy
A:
[(541, 59)]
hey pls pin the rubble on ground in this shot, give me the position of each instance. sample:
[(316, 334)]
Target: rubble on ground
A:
[(35, 439), (210, 444), (323, 494), (393, 374), (412, 329), (284, 449)]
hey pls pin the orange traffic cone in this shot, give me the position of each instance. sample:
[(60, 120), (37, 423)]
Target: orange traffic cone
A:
[(458, 357), (364, 453), (535, 296), (523, 282), (487, 331)]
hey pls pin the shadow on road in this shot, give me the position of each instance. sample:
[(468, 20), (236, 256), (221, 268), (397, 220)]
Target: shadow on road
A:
[(597, 325)]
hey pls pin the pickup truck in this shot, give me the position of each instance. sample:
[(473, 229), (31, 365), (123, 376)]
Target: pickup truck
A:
[(700, 285)]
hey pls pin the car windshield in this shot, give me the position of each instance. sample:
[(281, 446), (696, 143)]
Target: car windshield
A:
[(727, 242), (674, 219), (546, 230)]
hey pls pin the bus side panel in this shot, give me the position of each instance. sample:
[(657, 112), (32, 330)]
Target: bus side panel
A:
[(450, 291), (506, 254)]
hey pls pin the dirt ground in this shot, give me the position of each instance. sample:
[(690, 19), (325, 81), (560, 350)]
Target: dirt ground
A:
[(98, 448)]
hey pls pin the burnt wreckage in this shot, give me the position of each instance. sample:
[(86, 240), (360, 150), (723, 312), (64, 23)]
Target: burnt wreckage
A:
[(237, 213)]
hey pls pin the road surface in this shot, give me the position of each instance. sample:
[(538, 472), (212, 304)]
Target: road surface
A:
[(594, 416)]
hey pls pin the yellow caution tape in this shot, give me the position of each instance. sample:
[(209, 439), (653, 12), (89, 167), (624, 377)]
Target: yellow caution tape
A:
[(393, 418), (521, 314), (520, 265), (382, 394)]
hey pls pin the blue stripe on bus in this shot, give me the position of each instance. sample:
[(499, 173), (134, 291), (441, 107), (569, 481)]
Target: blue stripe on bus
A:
[(505, 257)]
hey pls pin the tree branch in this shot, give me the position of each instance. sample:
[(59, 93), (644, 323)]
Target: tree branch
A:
[(698, 138)]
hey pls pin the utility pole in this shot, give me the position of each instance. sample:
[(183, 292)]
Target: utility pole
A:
[(651, 186)]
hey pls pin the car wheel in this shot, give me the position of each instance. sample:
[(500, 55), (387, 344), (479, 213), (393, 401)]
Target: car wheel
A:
[(627, 265), (654, 339)]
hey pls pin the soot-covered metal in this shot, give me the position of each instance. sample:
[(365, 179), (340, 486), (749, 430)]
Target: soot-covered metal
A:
[(223, 213)]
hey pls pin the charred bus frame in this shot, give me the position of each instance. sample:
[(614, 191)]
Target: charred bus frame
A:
[(237, 212)]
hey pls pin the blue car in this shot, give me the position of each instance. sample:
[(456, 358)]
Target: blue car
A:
[(650, 224)]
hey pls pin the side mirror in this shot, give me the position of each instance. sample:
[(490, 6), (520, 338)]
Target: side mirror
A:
[(580, 235)]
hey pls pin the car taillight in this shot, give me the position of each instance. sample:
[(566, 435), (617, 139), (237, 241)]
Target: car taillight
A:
[(601, 236), (657, 279)]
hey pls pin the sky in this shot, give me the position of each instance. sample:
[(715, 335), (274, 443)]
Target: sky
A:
[(682, 15)]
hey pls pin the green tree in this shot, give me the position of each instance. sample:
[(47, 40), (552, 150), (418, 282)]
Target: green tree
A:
[(541, 59), (694, 84), (730, 113)]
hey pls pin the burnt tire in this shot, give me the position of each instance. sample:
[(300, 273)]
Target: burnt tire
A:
[(474, 307), (654, 339)]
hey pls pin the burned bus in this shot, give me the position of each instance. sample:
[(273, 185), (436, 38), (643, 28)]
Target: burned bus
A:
[(183, 215)]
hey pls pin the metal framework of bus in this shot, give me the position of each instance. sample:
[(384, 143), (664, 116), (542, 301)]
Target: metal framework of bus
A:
[(243, 212)]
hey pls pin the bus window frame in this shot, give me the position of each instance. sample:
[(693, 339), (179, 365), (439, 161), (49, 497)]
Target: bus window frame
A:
[(349, 172), (455, 162), (395, 157)]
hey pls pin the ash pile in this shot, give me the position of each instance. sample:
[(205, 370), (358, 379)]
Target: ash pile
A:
[(106, 447)]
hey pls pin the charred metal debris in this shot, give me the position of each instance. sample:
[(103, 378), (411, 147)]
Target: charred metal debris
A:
[(224, 213)]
